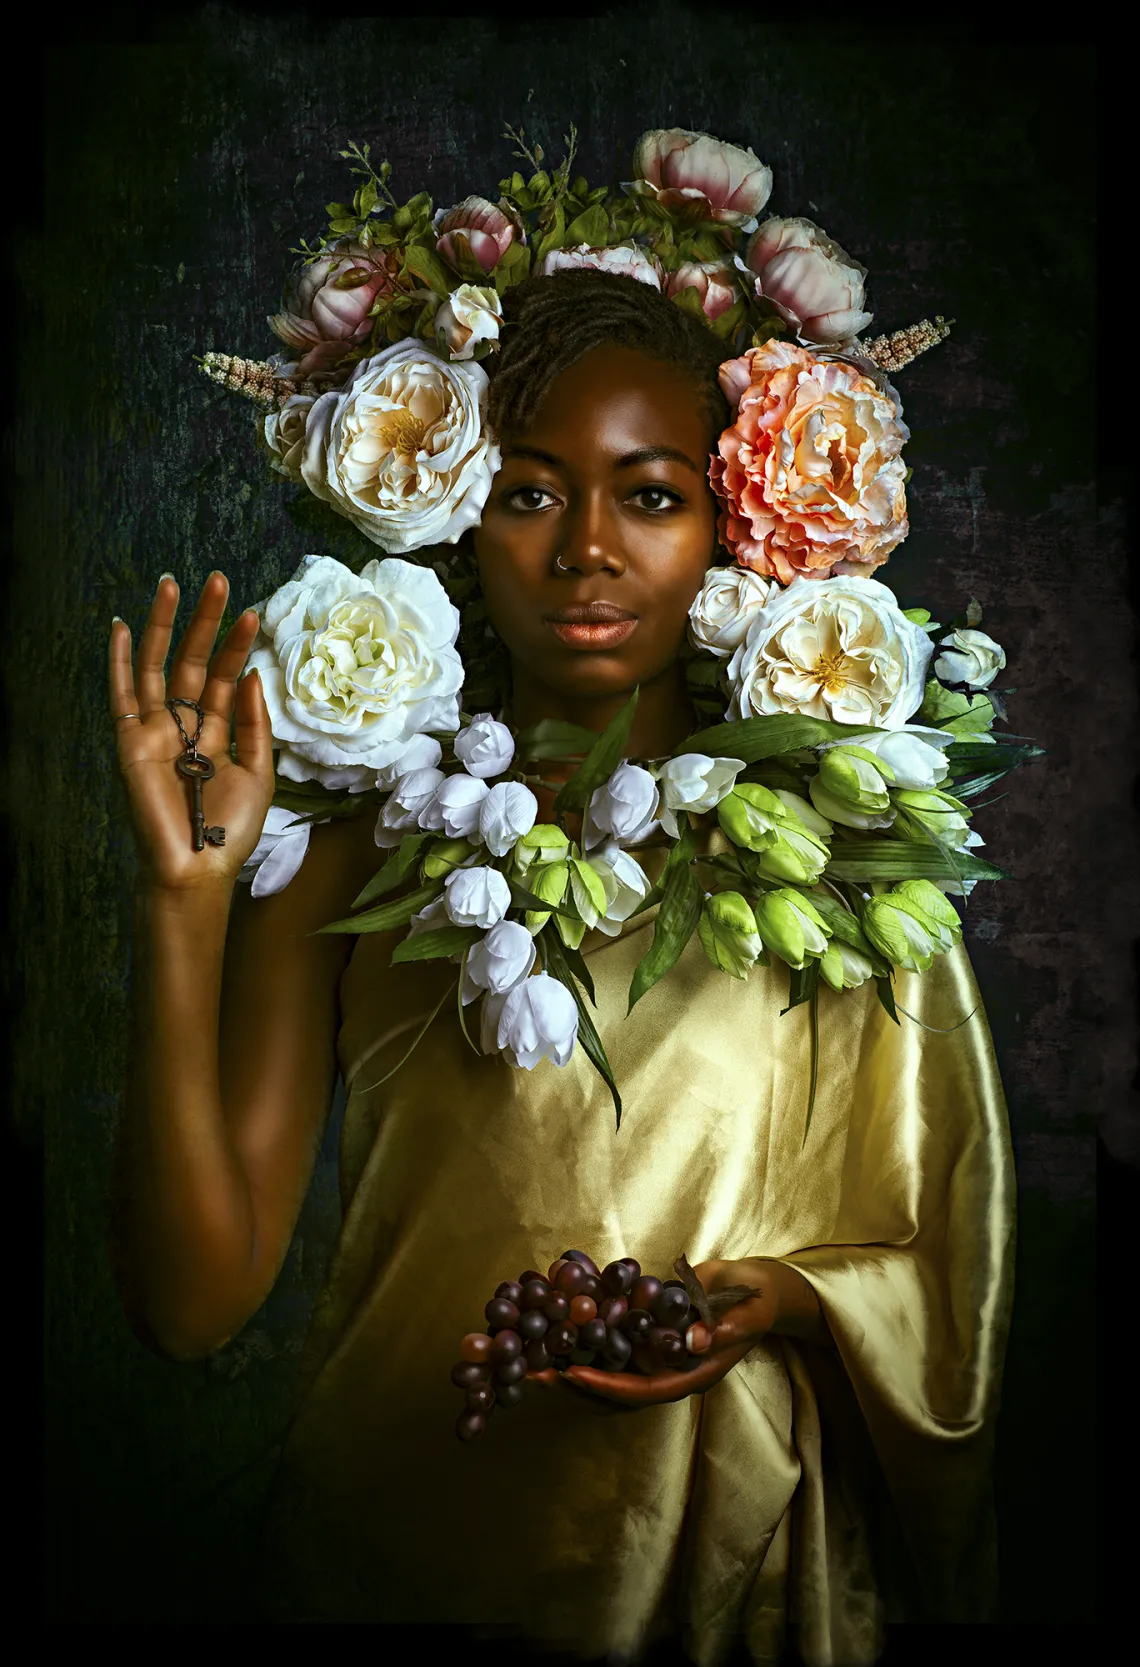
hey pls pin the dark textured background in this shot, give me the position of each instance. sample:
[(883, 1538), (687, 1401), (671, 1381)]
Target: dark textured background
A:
[(177, 174)]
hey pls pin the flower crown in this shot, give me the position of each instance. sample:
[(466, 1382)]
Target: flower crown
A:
[(821, 816)]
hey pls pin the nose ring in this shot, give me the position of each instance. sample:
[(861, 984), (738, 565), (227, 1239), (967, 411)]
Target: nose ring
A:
[(559, 566)]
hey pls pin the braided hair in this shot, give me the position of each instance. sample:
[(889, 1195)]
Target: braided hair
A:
[(551, 322)]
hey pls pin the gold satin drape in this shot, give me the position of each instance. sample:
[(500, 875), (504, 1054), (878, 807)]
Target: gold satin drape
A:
[(820, 1489)]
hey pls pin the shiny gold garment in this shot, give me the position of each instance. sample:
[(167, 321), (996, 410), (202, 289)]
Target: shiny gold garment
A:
[(816, 1491)]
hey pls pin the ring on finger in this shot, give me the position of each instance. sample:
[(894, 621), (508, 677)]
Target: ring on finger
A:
[(123, 715)]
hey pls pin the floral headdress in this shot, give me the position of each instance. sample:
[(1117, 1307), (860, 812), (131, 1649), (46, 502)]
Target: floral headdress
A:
[(823, 814)]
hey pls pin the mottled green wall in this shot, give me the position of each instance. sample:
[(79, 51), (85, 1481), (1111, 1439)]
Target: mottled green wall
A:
[(177, 176)]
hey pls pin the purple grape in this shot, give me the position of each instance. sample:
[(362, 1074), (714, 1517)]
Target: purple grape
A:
[(632, 1263), (667, 1345), (592, 1335), (482, 1398), (613, 1310), (501, 1313), (511, 1371), (533, 1324), (593, 1288), (561, 1338), (580, 1256), (507, 1345), (527, 1275), (644, 1294), (617, 1278), (469, 1425), (570, 1279), (637, 1324), (466, 1374), (475, 1346), (508, 1291), (581, 1357), (560, 1362), (538, 1356), (534, 1293), (671, 1306), (508, 1395), (618, 1348), (556, 1307)]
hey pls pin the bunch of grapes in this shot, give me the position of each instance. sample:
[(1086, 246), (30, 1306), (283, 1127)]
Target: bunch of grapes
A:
[(616, 1318)]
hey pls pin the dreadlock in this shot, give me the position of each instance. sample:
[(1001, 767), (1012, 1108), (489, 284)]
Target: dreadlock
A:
[(550, 323)]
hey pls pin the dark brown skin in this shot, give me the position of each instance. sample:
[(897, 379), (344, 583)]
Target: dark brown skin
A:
[(235, 1006)]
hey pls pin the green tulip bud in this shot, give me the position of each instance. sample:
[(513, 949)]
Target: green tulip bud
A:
[(570, 931), (549, 883), (939, 812), (795, 856), (938, 914), (899, 926), (544, 843), (843, 925), (844, 967), (444, 856), (807, 813), (790, 926), (750, 816), (587, 890), (727, 930), (856, 777)]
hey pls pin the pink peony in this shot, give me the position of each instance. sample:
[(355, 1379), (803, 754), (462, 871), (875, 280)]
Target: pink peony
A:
[(809, 279), (621, 258), (485, 229), (327, 309), (703, 175), (810, 474), (713, 282)]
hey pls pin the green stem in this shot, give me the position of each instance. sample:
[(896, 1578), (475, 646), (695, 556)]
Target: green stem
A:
[(416, 1041)]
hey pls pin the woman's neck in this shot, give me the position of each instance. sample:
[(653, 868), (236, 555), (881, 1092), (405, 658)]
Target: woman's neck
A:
[(664, 714)]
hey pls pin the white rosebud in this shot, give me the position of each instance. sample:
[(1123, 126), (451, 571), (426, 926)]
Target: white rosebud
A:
[(623, 809), (508, 811), (625, 885), (278, 854), (538, 1020), (422, 752), (470, 315), (455, 807), (725, 607), (969, 657), (402, 811), (476, 897), (498, 961), (485, 747), (914, 754)]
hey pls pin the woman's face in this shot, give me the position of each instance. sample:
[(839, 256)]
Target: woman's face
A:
[(600, 526)]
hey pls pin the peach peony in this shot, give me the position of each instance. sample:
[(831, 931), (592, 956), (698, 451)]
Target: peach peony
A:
[(810, 474), (812, 282), (713, 282), (696, 174), (485, 229), (326, 312)]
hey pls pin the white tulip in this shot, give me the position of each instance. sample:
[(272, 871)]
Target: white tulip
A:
[(538, 1020), (914, 753), (725, 607), (432, 916), (969, 657), (403, 810), (423, 752), (625, 885), (485, 747), (476, 897), (505, 815), (696, 782), (456, 806), (623, 809), (278, 854), (498, 961)]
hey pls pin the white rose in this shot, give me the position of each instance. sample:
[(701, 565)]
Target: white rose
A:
[(725, 607), (402, 811), (470, 315), (455, 807), (278, 854), (626, 260), (914, 753), (423, 752), (969, 657), (485, 747), (356, 666), (284, 431), (401, 449), (623, 808), (508, 811), (476, 897), (498, 961), (538, 1020), (840, 649), (625, 884)]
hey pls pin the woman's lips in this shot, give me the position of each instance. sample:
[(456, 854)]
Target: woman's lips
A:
[(596, 633)]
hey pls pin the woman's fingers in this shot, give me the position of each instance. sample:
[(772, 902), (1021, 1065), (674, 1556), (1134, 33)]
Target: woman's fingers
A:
[(150, 660), (217, 697), (631, 1389), (192, 659), (252, 733), (120, 677)]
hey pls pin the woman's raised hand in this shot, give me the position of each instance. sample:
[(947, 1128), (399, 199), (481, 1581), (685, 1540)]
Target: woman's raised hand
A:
[(148, 742)]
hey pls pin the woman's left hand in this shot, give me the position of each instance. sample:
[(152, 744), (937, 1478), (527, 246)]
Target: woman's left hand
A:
[(739, 1330)]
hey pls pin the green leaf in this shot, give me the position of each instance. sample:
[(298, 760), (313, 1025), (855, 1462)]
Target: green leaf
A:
[(523, 899), (803, 983), (389, 915), (512, 267), (964, 757), (676, 919), (688, 301), (980, 717), (886, 996), (434, 945), (577, 964), (900, 859), (730, 320), (592, 227), (394, 870), (428, 266), (555, 962), (950, 709), (753, 738), (917, 616), (600, 763), (554, 237), (552, 738)]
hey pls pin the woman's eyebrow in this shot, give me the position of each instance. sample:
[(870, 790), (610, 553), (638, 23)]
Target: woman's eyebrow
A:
[(645, 454)]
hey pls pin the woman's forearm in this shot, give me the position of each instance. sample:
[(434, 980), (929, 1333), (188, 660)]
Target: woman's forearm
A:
[(183, 1218)]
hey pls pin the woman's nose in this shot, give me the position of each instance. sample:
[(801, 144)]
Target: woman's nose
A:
[(589, 541)]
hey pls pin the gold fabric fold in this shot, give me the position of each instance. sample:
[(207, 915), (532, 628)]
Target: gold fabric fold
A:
[(818, 1489)]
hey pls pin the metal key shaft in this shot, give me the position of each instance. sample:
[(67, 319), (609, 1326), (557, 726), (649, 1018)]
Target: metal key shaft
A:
[(197, 768)]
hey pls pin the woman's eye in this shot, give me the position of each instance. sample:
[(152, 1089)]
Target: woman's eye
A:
[(657, 497), (529, 498)]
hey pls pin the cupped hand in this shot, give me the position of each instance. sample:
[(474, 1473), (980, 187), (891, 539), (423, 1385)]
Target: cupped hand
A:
[(239, 793), (740, 1328)]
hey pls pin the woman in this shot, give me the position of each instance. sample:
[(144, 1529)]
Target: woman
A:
[(825, 1467)]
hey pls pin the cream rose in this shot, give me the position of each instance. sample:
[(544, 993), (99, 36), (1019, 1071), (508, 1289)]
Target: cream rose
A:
[(725, 607), (840, 649), (284, 431), (470, 315), (401, 450), (969, 657), (623, 259), (355, 666)]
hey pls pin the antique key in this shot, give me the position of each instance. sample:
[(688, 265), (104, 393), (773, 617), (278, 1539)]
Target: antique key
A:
[(197, 768)]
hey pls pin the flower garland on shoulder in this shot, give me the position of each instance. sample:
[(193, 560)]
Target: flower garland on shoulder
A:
[(822, 817)]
